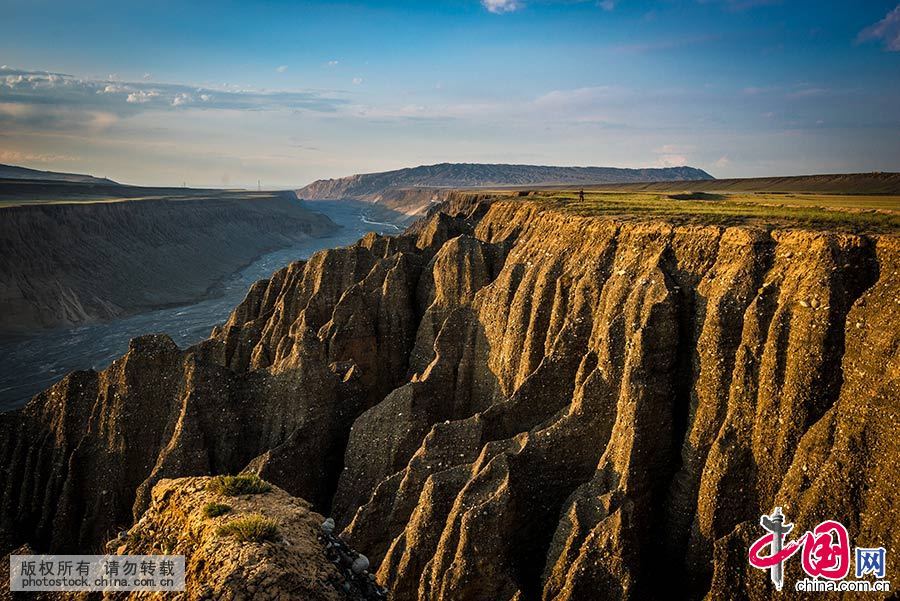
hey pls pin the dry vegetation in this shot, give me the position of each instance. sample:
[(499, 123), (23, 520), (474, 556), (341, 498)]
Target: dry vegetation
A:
[(858, 214), (214, 510), (242, 484), (253, 528)]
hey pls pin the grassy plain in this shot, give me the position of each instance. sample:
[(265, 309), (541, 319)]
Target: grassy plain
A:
[(843, 212)]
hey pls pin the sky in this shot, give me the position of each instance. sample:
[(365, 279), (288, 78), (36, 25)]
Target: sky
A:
[(229, 93)]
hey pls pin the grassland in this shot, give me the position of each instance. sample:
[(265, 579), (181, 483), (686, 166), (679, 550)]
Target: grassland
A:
[(841, 212), (849, 184)]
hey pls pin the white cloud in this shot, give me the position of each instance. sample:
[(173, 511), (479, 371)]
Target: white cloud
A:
[(887, 30), (113, 89), (501, 6), (672, 160), (673, 155), (580, 100), (357, 80), (723, 161), (141, 96), (146, 76), (607, 4), (741, 5), (281, 68), (57, 100), (808, 92), (672, 149), (333, 63), (14, 80)]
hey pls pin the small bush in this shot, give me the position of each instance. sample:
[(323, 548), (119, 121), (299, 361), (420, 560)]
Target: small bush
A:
[(214, 510), (242, 484), (254, 528), (697, 196)]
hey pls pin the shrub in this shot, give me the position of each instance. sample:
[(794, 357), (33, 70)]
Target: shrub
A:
[(698, 196), (242, 484), (255, 528), (214, 510)]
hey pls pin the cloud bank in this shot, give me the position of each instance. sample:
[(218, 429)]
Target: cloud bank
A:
[(887, 31), (59, 101)]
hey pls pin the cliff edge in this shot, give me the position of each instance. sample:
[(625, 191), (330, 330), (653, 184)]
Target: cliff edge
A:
[(254, 545)]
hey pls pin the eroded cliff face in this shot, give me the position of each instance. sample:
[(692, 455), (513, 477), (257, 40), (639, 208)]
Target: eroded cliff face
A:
[(512, 403)]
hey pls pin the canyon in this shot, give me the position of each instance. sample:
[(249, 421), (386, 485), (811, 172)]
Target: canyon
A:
[(81, 252), (512, 401)]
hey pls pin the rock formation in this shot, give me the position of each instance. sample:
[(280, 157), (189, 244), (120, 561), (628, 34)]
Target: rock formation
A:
[(513, 403), (293, 565)]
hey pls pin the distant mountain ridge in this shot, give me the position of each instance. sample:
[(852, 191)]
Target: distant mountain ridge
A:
[(15, 172), (367, 186)]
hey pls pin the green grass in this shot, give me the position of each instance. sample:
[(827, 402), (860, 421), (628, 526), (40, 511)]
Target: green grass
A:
[(242, 484), (832, 212), (253, 528), (214, 510)]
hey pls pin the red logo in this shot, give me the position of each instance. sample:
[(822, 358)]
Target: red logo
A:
[(825, 549)]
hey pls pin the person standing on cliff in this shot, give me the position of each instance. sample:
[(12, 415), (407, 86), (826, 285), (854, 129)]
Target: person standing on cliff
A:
[(581, 195)]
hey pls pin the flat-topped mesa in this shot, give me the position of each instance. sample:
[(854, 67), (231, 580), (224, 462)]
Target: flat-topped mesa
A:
[(513, 402), (405, 194), (468, 175)]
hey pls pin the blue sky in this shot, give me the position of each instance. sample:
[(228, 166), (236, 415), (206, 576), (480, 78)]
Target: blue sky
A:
[(225, 93)]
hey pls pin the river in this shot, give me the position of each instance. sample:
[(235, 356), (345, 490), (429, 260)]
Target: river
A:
[(32, 363)]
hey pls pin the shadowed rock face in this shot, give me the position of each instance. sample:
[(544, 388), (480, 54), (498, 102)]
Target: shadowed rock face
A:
[(510, 403)]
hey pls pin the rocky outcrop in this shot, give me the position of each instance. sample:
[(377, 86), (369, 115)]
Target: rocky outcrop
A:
[(64, 264), (508, 402), (292, 564)]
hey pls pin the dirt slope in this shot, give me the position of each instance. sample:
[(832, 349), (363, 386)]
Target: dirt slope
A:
[(513, 403)]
